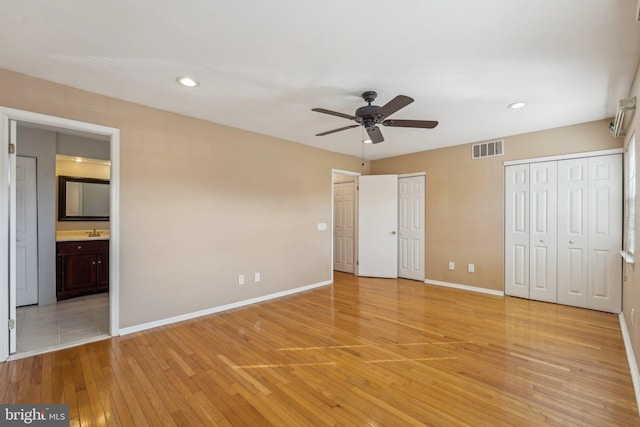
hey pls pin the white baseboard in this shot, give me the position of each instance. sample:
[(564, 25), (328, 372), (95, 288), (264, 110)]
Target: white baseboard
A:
[(631, 359), (464, 287), (212, 310)]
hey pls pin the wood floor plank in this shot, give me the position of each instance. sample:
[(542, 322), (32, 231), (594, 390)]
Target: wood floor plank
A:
[(363, 351)]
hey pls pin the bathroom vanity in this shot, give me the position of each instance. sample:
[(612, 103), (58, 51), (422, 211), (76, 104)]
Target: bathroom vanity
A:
[(82, 267)]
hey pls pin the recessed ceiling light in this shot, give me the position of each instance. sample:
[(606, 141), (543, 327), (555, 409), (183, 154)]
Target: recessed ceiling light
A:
[(516, 105), (187, 81)]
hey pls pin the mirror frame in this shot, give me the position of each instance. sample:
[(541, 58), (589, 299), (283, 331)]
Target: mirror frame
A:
[(62, 198)]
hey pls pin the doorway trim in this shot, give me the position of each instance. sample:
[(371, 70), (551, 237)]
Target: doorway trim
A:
[(6, 116)]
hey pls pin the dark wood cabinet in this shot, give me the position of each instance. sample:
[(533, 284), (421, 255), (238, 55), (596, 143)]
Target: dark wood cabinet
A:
[(82, 268)]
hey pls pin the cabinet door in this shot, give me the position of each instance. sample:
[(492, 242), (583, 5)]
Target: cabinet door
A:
[(80, 272), (103, 272), (543, 231), (604, 288), (572, 231), (517, 231)]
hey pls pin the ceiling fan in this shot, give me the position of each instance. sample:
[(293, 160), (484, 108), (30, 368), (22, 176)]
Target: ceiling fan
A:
[(370, 116)]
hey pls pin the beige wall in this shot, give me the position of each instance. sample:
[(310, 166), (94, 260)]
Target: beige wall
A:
[(465, 206), (201, 203), (631, 286)]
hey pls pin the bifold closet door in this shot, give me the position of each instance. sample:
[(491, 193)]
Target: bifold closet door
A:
[(516, 218), (573, 190), (531, 231), (543, 231), (590, 232)]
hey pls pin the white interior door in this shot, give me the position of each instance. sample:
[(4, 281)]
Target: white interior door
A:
[(543, 231), (572, 232), (343, 226), (378, 226), (26, 232), (411, 228), (604, 290), (516, 217)]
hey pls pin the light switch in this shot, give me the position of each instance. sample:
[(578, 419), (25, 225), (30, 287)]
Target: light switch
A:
[(322, 226)]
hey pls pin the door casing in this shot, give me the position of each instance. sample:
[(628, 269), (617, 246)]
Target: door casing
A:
[(7, 220)]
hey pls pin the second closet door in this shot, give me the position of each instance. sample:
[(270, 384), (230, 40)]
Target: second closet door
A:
[(589, 232)]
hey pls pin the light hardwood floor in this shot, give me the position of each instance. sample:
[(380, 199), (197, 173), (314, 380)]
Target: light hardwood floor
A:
[(363, 352)]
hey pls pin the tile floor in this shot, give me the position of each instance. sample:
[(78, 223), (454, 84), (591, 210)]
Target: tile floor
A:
[(69, 322)]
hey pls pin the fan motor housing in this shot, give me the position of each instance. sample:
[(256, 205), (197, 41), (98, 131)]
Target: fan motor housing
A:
[(366, 112)]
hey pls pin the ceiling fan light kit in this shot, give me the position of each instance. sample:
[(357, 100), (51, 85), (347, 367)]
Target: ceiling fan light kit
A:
[(370, 116)]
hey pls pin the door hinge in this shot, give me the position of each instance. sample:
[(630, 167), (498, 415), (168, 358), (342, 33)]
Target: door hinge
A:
[(12, 148), (357, 262), (12, 324)]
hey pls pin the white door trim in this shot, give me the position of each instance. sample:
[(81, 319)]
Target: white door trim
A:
[(8, 114)]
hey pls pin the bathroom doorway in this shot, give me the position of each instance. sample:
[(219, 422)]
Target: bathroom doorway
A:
[(52, 324)]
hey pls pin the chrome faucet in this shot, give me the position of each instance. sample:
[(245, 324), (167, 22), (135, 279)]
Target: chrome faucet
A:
[(94, 233)]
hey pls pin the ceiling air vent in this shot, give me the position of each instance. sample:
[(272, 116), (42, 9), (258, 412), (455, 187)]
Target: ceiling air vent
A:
[(487, 149)]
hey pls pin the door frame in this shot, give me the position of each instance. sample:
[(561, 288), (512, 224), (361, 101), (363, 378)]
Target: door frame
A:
[(10, 114)]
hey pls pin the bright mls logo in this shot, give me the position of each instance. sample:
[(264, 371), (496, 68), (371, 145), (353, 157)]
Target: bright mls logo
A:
[(34, 415)]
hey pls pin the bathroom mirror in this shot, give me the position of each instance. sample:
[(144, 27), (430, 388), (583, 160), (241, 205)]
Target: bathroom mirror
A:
[(83, 199)]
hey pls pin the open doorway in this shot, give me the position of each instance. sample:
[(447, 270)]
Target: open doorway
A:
[(56, 320), (48, 316)]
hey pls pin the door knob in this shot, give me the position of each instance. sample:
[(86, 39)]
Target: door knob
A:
[(571, 242), (541, 240), (393, 232)]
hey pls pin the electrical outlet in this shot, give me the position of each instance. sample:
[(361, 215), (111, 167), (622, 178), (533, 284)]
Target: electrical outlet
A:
[(241, 279), (257, 277), (452, 265), (472, 268)]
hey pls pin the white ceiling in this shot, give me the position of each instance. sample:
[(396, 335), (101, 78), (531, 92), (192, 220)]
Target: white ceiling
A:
[(262, 65)]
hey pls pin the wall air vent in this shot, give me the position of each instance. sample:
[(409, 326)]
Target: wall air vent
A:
[(487, 149)]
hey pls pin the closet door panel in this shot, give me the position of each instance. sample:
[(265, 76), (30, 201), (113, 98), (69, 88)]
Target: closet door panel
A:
[(543, 231), (605, 233), (517, 230), (572, 232)]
